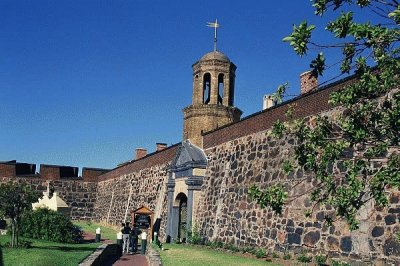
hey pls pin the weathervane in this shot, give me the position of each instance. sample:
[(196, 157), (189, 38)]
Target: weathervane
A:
[(214, 25)]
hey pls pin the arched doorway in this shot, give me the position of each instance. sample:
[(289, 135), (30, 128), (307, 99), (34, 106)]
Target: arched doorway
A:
[(181, 200), (185, 179)]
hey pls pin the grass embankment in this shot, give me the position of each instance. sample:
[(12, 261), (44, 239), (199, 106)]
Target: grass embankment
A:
[(106, 232), (182, 255), (46, 253)]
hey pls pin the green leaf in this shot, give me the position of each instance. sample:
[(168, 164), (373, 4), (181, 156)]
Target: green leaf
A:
[(342, 25), (300, 37), (318, 65)]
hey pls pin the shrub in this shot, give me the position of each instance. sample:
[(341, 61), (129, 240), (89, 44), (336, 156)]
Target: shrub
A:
[(50, 225), (320, 259), (304, 258), (248, 249), (217, 244), (232, 247), (287, 256), (339, 263), (194, 236), (275, 255), (260, 253)]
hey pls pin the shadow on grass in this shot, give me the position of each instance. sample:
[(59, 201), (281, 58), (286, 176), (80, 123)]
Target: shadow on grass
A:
[(68, 249), (87, 241), (90, 241), (1, 257)]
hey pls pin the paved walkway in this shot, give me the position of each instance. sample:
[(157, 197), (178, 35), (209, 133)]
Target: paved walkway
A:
[(133, 260), (88, 237), (125, 260)]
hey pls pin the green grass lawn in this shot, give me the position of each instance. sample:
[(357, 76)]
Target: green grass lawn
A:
[(46, 253), (106, 232), (182, 255)]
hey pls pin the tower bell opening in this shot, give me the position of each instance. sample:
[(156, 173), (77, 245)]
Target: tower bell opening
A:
[(206, 88)]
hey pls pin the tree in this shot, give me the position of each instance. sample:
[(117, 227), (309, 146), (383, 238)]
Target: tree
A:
[(364, 137), (15, 199)]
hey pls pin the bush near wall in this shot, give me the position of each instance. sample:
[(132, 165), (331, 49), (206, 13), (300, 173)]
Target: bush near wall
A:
[(49, 225)]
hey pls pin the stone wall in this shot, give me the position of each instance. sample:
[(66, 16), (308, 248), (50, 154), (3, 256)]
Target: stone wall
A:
[(226, 213), (118, 197), (79, 195), (133, 185)]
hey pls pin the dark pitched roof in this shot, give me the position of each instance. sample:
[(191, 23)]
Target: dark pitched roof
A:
[(189, 156)]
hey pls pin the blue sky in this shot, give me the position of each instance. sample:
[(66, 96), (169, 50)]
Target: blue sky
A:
[(84, 83)]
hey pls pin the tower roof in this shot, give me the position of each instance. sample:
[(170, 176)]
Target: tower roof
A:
[(215, 55)]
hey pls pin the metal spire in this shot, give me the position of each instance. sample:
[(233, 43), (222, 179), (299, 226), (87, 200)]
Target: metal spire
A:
[(214, 25)]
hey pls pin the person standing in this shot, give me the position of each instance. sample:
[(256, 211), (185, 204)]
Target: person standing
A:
[(135, 232), (126, 230), (122, 226)]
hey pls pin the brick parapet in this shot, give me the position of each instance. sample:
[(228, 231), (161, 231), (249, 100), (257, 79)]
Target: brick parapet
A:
[(49, 173), (56, 172), (305, 105), (150, 160), (91, 174), (14, 168), (7, 169)]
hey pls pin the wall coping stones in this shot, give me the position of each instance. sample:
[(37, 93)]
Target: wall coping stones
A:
[(90, 260), (153, 256), (101, 254)]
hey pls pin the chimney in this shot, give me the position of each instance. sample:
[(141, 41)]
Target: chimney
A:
[(161, 146), (308, 82), (268, 101), (140, 153)]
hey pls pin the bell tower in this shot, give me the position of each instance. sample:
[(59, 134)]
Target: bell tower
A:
[(213, 97)]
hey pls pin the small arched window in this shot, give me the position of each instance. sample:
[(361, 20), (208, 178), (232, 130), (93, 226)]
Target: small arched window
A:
[(220, 88), (206, 88)]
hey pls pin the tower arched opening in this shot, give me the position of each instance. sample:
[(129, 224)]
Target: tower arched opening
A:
[(221, 88), (206, 88)]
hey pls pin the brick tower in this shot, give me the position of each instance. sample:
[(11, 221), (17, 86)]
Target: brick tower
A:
[(213, 93)]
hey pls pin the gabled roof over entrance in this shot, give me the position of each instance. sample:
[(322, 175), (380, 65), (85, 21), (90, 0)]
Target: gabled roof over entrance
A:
[(143, 210), (187, 157)]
